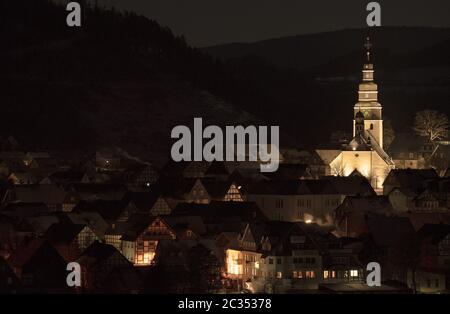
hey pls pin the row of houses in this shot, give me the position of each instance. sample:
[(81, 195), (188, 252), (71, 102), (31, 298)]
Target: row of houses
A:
[(218, 227)]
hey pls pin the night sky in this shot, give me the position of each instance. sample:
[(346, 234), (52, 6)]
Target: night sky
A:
[(210, 22)]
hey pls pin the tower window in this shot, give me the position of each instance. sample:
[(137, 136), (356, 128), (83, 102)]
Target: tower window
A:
[(371, 126)]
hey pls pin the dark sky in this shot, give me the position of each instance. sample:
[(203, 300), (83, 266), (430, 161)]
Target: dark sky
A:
[(210, 22)]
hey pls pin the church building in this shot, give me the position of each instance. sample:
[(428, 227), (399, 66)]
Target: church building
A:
[(364, 154)]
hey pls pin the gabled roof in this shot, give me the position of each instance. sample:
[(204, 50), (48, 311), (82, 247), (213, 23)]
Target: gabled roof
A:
[(413, 178), (405, 191), (194, 223), (91, 219), (216, 188), (98, 252), (362, 205), (420, 219), (109, 210), (64, 233), (280, 235), (23, 256), (358, 143), (139, 226), (353, 185), (436, 232), (144, 201)]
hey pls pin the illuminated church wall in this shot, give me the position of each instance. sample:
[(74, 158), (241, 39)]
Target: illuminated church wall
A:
[(368, 163)]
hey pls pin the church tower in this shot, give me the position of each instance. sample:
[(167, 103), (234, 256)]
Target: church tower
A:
[(368, 103)]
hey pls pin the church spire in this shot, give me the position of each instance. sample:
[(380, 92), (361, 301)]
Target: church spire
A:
[(368, 46), (368, 103)]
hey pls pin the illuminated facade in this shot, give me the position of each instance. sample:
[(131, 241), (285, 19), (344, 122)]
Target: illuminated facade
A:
[(364, 154), (140, 247)]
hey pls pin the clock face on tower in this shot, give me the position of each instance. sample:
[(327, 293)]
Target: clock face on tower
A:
[(366, 113)]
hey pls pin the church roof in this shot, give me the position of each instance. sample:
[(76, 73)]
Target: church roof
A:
[(358, 143)]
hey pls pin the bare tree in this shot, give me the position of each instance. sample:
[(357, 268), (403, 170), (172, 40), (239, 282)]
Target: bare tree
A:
[(338, 170), (431, 124)]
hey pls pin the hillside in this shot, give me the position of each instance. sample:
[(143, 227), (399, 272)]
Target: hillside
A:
[(124, 80), (306, 51), (120, 81)]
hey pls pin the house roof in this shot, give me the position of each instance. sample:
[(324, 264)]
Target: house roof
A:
[(217, 209), (98, 252), (420, 219), (108, 210), (353, 185), (363, 205), (391, 231), (96, 191), (294, 171), (24, 255), (279, 233), (293, 187), (25, 209), (217, 168), (144, 201), (194, 223), (66, 176), (215, 188), (63, 232), (39, 193), (405, 143), (410, 177), (436, 232), (136, 228)]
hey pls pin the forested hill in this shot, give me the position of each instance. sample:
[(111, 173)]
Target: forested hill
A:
[(124, 80)]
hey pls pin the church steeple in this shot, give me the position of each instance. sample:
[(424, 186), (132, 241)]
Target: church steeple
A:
[(368, 46), (368, 98)]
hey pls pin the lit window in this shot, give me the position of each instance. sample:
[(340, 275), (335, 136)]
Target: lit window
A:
[(353, 273), (326, 274), (279, 274)]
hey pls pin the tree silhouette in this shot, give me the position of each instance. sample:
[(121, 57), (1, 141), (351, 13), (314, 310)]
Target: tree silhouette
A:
[(431, 124)]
